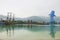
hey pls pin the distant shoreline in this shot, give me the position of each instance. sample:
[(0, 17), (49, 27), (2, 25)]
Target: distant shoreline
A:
[(38, 24)]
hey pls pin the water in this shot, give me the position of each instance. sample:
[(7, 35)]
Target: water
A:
[(28, 32)]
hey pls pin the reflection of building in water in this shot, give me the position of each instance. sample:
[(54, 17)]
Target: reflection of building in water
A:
[(52, 27)]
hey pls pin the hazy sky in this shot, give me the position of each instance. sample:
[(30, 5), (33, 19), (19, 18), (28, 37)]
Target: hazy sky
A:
[(25, 8)]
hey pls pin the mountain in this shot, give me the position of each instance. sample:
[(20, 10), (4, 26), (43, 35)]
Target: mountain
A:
[(39, 19), (36, 18), (33, 18), (2, 17), (57, 19)]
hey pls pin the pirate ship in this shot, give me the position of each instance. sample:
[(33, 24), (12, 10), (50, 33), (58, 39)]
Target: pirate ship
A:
[(9, 20)]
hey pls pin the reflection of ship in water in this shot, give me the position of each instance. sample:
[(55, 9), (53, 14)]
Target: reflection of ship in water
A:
[(10, 30)]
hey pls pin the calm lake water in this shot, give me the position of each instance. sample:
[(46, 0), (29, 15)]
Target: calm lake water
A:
[(28, 32)]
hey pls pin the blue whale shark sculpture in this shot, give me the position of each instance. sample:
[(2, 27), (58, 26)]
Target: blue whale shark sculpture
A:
[(52, 15)]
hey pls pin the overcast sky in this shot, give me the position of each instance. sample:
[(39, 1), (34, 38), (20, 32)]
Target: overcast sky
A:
[(25, 8)]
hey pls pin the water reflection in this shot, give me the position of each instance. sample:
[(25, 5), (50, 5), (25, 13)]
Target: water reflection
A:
[(52, 31), (10, 29)]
